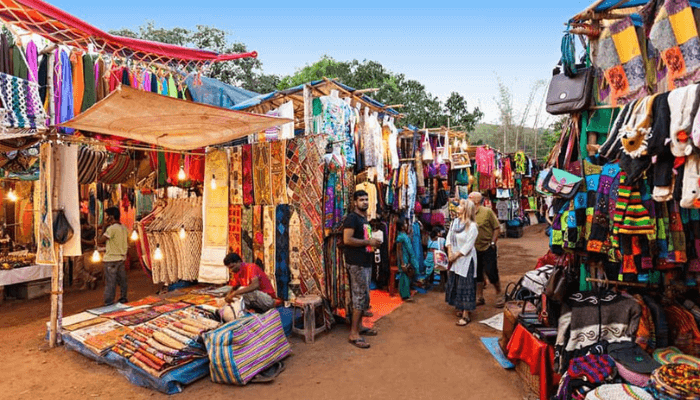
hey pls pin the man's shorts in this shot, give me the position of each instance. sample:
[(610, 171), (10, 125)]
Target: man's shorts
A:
[(487, 264), (358, 287)]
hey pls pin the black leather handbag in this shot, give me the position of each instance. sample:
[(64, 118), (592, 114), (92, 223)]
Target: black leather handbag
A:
[(569, 94)]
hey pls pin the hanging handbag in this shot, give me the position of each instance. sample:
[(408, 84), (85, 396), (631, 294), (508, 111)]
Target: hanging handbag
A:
[(427, 149), (569, 94), (562, 184), (541, 178)]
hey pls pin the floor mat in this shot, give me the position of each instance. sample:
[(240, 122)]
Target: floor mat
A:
[(491, 344), (382, 305)]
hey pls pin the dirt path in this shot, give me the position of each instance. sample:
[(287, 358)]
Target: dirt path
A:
[(419, 354)]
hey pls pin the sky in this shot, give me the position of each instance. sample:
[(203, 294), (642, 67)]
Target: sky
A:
[(447, 48)]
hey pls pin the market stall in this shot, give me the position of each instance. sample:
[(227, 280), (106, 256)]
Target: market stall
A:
[(617, 308)]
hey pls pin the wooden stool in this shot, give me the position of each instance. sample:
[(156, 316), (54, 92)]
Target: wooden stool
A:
[(308, 306)]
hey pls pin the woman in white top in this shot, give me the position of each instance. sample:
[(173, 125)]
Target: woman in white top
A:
[(461, 285)]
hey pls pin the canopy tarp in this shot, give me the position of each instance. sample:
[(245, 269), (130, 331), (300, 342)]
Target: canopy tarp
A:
[(614, 4), (57, 26), (168, 122)]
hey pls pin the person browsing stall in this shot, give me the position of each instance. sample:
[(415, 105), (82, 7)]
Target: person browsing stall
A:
[(486, 250), (249, 282), (359, 250), (115, 239)]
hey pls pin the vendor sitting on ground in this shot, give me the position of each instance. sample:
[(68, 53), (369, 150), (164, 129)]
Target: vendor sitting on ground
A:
[(249, 282)]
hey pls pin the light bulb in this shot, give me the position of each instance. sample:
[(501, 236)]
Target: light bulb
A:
[(182, 232), (181, 175), (134, 235), (158, 254), (12, 196), (213, 182), (95, 256)]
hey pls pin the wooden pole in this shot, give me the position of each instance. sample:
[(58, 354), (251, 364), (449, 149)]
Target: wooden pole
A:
[(308, 110), (56, 278)]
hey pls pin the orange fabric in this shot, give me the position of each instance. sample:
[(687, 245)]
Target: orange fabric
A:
[(536, 354), (76, 60)]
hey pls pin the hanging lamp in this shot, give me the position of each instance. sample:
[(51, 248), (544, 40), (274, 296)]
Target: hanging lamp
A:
[(158, 254)]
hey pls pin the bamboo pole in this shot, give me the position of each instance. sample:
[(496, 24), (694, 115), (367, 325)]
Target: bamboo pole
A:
[(56, 278), (308, 110), (620, 283)]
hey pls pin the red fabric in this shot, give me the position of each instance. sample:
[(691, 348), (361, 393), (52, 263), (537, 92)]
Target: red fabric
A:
[(195, 171), (247, 272), (172, 161), (56, 25), (538, 355)]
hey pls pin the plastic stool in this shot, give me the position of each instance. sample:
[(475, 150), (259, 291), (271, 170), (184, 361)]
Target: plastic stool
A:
[(308, 306)]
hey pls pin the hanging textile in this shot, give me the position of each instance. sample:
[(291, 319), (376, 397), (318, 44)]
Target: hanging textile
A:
[(278, 173), (236, 181), (293, 172), (247, 169), (65, 193), (89, 164), (620, 58), (247, 234), (118, 170), (261, 173), (257, 233), (32, 62), (234, 228), (215, 236), (65, 92), (45, 253), (269, 228), (24, 214), (294, 247), (21, 103), (334, 198), (76, 60), (281, 265)]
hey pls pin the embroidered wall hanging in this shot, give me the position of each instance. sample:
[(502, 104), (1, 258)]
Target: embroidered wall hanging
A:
[(261, 173), (235, 181)]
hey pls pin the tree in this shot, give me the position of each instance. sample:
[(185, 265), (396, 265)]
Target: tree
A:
[(420, 107), (245, 72)]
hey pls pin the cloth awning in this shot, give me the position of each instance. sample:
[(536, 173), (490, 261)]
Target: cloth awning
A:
[(58, 26), (168, 122)]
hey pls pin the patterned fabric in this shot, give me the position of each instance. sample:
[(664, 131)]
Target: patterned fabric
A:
[(45, 253), (118, 170), (89, 164), (278, 173), (261, 173), (21, 103), (293, 172), (247, 234), (258, 240), (334, 199), (592, 368), (620, 57), (683, 329), (235, 215), (675, 381), (245, 347), (674, 34), (294, 247), (282, 251), (215, 222), (247, 171), (460, 291), (269, 229), (236, 176)]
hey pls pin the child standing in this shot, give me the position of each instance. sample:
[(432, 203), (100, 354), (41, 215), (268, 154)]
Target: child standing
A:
[(436, 243)]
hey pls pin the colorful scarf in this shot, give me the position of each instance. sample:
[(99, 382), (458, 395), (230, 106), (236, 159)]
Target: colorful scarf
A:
[(22, 104), (293, 172)]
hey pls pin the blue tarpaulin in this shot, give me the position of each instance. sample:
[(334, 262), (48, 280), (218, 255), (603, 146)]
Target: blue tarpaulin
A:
[(216, 93), (608, 4)]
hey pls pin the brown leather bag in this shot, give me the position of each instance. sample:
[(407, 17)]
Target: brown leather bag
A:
[(557, 284)]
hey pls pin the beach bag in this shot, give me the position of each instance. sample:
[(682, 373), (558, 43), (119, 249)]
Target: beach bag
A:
[(562, 184), (241, 349), (536, 280)]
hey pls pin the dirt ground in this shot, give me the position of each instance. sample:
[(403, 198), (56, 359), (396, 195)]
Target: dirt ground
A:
[(419, 354)]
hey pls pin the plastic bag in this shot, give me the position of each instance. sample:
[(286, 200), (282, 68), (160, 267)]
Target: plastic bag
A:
[(62, 231)]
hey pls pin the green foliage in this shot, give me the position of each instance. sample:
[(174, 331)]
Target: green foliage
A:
[(419, 105)]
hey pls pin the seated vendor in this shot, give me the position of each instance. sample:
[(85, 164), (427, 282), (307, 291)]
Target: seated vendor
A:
[(249, 282)]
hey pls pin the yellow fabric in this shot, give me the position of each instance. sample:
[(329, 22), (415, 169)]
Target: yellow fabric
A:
[(164, 121), (215, 235), (683, 25), (117, 243), (627, 45), (372, 196)]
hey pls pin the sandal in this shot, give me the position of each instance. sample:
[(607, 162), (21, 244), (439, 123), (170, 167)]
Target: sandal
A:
[(359, 343), (480, 302), (368, 332), (463, 321)]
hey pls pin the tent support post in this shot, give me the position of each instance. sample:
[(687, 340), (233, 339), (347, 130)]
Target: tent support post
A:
[(56, 289), (308, 110)]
